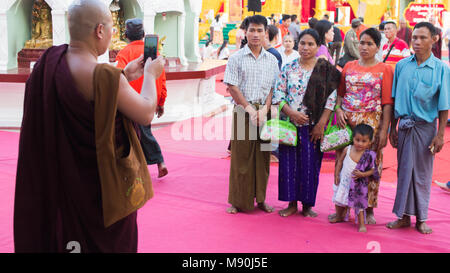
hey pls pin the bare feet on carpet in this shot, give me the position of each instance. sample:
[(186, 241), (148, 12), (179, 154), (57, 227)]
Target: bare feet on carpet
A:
[(400, 223), (333, 218), (264, 207), (233, 210), (423, 228), (291, 209), (162, 170), (370, 217), (339, 215), (308, 212)]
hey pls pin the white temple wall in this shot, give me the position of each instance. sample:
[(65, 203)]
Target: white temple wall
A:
[(182, 31), (5, 48)]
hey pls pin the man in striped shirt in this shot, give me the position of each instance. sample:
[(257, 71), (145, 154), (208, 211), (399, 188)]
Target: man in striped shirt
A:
[(400, 48)]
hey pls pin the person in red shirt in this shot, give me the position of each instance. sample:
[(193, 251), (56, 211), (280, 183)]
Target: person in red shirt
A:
[(135, 33), (361, 28), (284, 27), (400, 48)]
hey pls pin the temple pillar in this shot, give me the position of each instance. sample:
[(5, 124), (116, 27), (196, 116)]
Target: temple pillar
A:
[(59, 27), (396, 9), (181, 28), (149, 21), (59, 20), (321, 9), (193, 11), (4, 41), (226, 10), (5, 5)]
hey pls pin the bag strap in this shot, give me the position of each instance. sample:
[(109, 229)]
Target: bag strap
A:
[(331, 120), (389, 52), (282, 103)]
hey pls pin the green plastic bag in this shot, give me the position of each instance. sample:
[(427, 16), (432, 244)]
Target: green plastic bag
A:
[(281, 131), (336, 138)]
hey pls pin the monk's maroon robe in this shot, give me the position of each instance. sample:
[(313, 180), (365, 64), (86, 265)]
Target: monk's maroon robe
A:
[(58, 205)]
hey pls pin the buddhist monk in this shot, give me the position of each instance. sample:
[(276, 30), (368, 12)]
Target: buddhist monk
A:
[(58, 198)]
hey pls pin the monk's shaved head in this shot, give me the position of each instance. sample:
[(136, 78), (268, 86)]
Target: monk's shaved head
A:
[(84, 16)]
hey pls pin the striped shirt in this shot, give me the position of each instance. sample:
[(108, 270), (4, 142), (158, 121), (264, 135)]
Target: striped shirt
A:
[(398, 52), (254, 77)]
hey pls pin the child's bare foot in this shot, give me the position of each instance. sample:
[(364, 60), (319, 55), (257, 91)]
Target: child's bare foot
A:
[(370, 217), (400, 223), (423, 228), (291, 209), (362, 229), (333, 218), (232, 210), (264, 207), (308, 212)]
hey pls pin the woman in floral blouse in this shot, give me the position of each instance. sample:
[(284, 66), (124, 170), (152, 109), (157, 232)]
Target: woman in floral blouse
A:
[(308, 85), (364, 96)]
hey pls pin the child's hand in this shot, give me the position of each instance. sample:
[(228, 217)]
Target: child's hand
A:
[(357, 174), (337, 180)]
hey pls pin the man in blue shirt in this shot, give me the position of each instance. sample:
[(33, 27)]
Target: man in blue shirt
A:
[(421, 90)]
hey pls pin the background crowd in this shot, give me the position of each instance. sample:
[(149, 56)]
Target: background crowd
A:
[(339, 47)]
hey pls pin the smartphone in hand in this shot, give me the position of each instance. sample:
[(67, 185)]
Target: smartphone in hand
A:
[(150, 47)]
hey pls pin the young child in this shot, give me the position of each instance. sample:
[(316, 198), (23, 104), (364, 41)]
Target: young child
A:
[(351, 177)]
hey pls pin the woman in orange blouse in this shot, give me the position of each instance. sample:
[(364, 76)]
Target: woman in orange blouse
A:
[(365, 96)]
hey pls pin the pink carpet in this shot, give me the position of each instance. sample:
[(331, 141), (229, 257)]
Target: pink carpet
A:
[(188, 214)]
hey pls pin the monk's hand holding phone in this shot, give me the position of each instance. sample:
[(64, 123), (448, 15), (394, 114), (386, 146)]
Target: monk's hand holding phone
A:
[(154, 67), (134, 69)]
